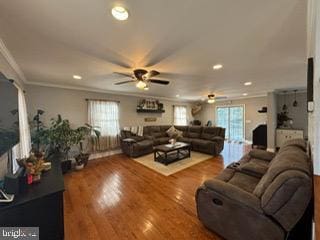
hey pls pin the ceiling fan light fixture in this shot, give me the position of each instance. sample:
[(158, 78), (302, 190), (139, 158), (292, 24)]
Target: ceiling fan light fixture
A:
[(217, 66), (146, 88), (78, 77), (141, 85), (211, 99), (120, 13)]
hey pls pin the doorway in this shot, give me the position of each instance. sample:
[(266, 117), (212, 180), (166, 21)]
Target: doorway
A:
[(232, 119)]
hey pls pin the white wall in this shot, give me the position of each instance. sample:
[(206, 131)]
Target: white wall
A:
[(71, 105), (272, 120), (299, 114), (252, 105)]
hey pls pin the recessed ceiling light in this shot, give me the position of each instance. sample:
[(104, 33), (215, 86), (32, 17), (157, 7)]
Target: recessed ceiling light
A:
[(217, 66), (177, 95), (120, 13), (245, 94), (77, 77), (248, 83)]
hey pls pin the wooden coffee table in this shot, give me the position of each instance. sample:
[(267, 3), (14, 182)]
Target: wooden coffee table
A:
[(168, 153)]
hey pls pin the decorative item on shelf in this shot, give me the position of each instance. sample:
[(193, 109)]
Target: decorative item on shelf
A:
[(295, 103), (285, 107), (196, 109), (150, 119), (284, 120), (263, 110), (150, 106)]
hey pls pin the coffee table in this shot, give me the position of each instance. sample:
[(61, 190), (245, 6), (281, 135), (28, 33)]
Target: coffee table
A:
[(168, 153)]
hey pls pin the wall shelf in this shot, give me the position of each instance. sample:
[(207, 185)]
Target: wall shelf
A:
[(150, 111)]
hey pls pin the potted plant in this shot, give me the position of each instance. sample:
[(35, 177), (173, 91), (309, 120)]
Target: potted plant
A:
[(81, 133), (60, 138)]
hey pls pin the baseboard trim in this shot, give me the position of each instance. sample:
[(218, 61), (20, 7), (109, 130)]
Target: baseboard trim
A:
[(104, 154)]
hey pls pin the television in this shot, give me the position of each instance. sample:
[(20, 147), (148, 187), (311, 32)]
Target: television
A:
[(9, 126)]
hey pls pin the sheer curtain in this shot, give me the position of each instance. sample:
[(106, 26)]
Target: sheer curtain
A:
[(180, 115), (25, 139), (105, 115)]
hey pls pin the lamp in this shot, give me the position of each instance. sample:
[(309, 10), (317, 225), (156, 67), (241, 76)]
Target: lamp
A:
[(141, 85)]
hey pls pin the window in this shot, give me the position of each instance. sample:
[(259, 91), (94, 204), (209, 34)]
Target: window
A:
[(105, 115), (232, 119), (180, 115)]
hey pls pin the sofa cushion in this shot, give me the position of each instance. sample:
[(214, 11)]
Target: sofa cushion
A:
[(184, 130), (163, 140), (194, 132), (245, 182), (292, 158), (164, 128), (158, 134), (261, 154), (300, 143), (200, 142), (185, 139)]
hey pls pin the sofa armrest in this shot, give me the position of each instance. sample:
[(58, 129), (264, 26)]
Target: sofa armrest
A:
[(129, 140), (261, 154), (149, 137), (234, 193)]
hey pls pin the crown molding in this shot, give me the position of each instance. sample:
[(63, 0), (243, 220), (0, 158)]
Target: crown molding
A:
[(90, 89), (4, 51)]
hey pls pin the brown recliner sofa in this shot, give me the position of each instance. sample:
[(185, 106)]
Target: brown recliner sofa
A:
[(208, 140), (262, 197)]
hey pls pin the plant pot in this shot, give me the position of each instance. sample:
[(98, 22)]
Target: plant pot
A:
[(82, 158), (65, 166), (79, 167)]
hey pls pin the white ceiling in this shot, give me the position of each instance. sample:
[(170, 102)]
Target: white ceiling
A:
[(262, 41)]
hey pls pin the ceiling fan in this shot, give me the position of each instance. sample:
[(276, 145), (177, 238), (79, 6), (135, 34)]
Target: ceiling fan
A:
[(142, 78), (212, 98)]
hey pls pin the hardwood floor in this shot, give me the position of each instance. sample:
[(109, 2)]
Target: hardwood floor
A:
[(118, 198)]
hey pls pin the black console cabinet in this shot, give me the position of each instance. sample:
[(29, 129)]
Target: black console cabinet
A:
[(40, 205)]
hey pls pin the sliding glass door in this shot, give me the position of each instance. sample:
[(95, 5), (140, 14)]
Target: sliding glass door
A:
[(232, 119)]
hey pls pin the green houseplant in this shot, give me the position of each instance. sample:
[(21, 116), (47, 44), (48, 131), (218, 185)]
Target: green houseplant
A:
[(85, 132), (60, 137)]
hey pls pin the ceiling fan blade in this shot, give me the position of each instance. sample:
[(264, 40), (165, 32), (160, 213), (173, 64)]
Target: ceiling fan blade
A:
[(158, 81), (153, 73), (221, 97), (124, 82), (123, 74)]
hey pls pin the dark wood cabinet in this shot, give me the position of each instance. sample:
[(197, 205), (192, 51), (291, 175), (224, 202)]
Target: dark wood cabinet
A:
[(40, 205)]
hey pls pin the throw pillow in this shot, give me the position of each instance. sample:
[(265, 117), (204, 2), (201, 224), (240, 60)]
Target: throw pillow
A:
[(174, 133), (171, 132)]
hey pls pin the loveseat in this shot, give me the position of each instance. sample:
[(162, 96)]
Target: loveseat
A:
[(262, 197), (208, 140)]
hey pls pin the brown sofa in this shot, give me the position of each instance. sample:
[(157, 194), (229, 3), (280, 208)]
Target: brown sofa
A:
[(262, 197), (208, 140)]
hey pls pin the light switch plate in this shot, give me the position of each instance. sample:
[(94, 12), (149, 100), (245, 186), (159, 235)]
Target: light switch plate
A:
[(310, 106)]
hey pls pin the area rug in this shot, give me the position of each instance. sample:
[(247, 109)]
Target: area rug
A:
[(174, 167)]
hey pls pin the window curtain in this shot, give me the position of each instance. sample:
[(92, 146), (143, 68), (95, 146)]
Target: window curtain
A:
[(180, 115), (105, 116), (25, 138)]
